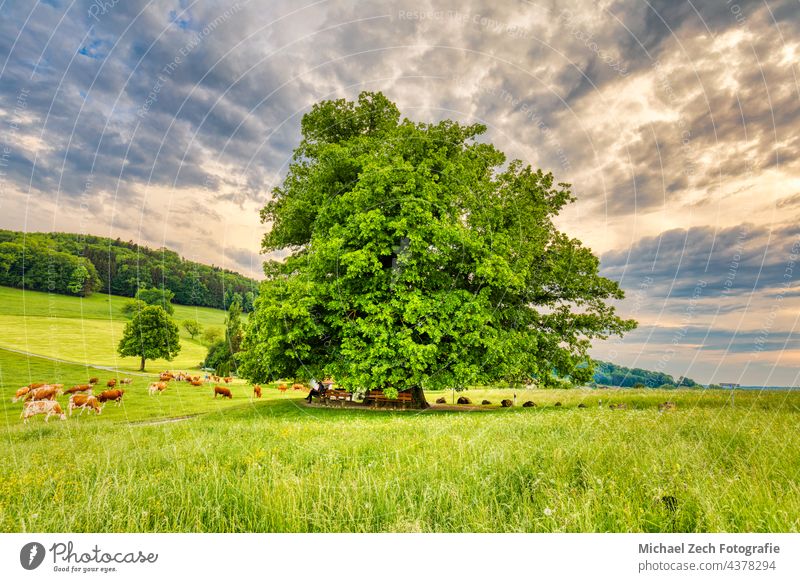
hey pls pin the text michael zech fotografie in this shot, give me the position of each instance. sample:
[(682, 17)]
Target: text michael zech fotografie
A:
[(710, 548), (64, 554)]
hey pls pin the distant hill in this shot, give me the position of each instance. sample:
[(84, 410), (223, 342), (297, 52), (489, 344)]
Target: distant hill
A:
[(608, 374), (76, 264)]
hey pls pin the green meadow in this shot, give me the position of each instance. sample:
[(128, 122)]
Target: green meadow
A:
[(185, 462), (87, 330)]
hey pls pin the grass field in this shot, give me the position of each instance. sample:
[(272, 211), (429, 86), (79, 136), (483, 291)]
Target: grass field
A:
[(87, 330), (276, 465)]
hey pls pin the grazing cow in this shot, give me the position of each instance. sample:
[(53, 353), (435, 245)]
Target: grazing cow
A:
[(663, 407), (283, 388), (257, 391), (84, 402), (46, 407), (165, 376), (94, 380), (115, 395), (79, 388), (215, 378), (225, 392), (20, 393), (44, 393), (298, 386), (126, 381), (111, 383), (196, 382), (227, 379), (156, 387)]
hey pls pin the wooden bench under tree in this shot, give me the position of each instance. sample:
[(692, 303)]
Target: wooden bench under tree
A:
[(338, 395), (377, 397)]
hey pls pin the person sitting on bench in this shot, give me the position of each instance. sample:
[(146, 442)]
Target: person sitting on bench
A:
[(316, 390)]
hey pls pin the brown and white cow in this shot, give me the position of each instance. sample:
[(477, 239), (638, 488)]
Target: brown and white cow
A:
[(21, 393), (79, 388), (158, 387), (84, 402), (126, 381), (46, 392), (257, 391), (47, 407), (224, 392), (107, 395), (111, 383)]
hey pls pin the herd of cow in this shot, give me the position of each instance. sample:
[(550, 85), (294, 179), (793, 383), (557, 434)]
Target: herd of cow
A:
[(41, 398)]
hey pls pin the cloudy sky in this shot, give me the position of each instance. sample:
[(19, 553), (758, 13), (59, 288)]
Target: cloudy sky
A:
[(677, 123)]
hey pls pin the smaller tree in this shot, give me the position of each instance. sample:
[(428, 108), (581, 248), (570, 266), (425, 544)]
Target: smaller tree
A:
[(155, 296), (151, 334), (192, 327), (132, 307), (222, 353), (212, 335), (78, 281)]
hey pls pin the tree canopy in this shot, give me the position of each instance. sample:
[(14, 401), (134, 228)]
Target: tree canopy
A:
[(223, 354), (151, 334), (156, 296), (419, 258)]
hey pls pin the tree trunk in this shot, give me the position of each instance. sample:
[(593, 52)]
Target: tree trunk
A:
[(141, 369), (418, 398)]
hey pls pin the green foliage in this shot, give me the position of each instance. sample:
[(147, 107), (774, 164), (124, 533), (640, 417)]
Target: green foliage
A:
[(26, 262), (151, 334), (222, 354), (418, 258), (192, 327), (155, 296), (211, 335), (80, 282), (132, 307), (118, 267), (219, 358), (609, 374)]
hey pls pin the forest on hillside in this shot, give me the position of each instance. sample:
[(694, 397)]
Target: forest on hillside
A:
[(608, 374), (77, 264)]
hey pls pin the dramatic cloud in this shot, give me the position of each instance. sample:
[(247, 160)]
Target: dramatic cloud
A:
[(170, 121)]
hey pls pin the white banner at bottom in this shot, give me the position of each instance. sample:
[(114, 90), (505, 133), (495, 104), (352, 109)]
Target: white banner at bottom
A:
[(389, 557)]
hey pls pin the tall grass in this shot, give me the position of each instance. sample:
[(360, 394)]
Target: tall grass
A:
[(278, 466)]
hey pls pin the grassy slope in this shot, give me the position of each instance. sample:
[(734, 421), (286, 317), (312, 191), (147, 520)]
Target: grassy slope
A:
[(87, 330), (273, 465)]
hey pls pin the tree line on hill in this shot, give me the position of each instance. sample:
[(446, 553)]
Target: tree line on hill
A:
[(608, 374), (76, 264)]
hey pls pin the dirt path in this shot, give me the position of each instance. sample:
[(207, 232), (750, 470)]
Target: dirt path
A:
[(162, 420)]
